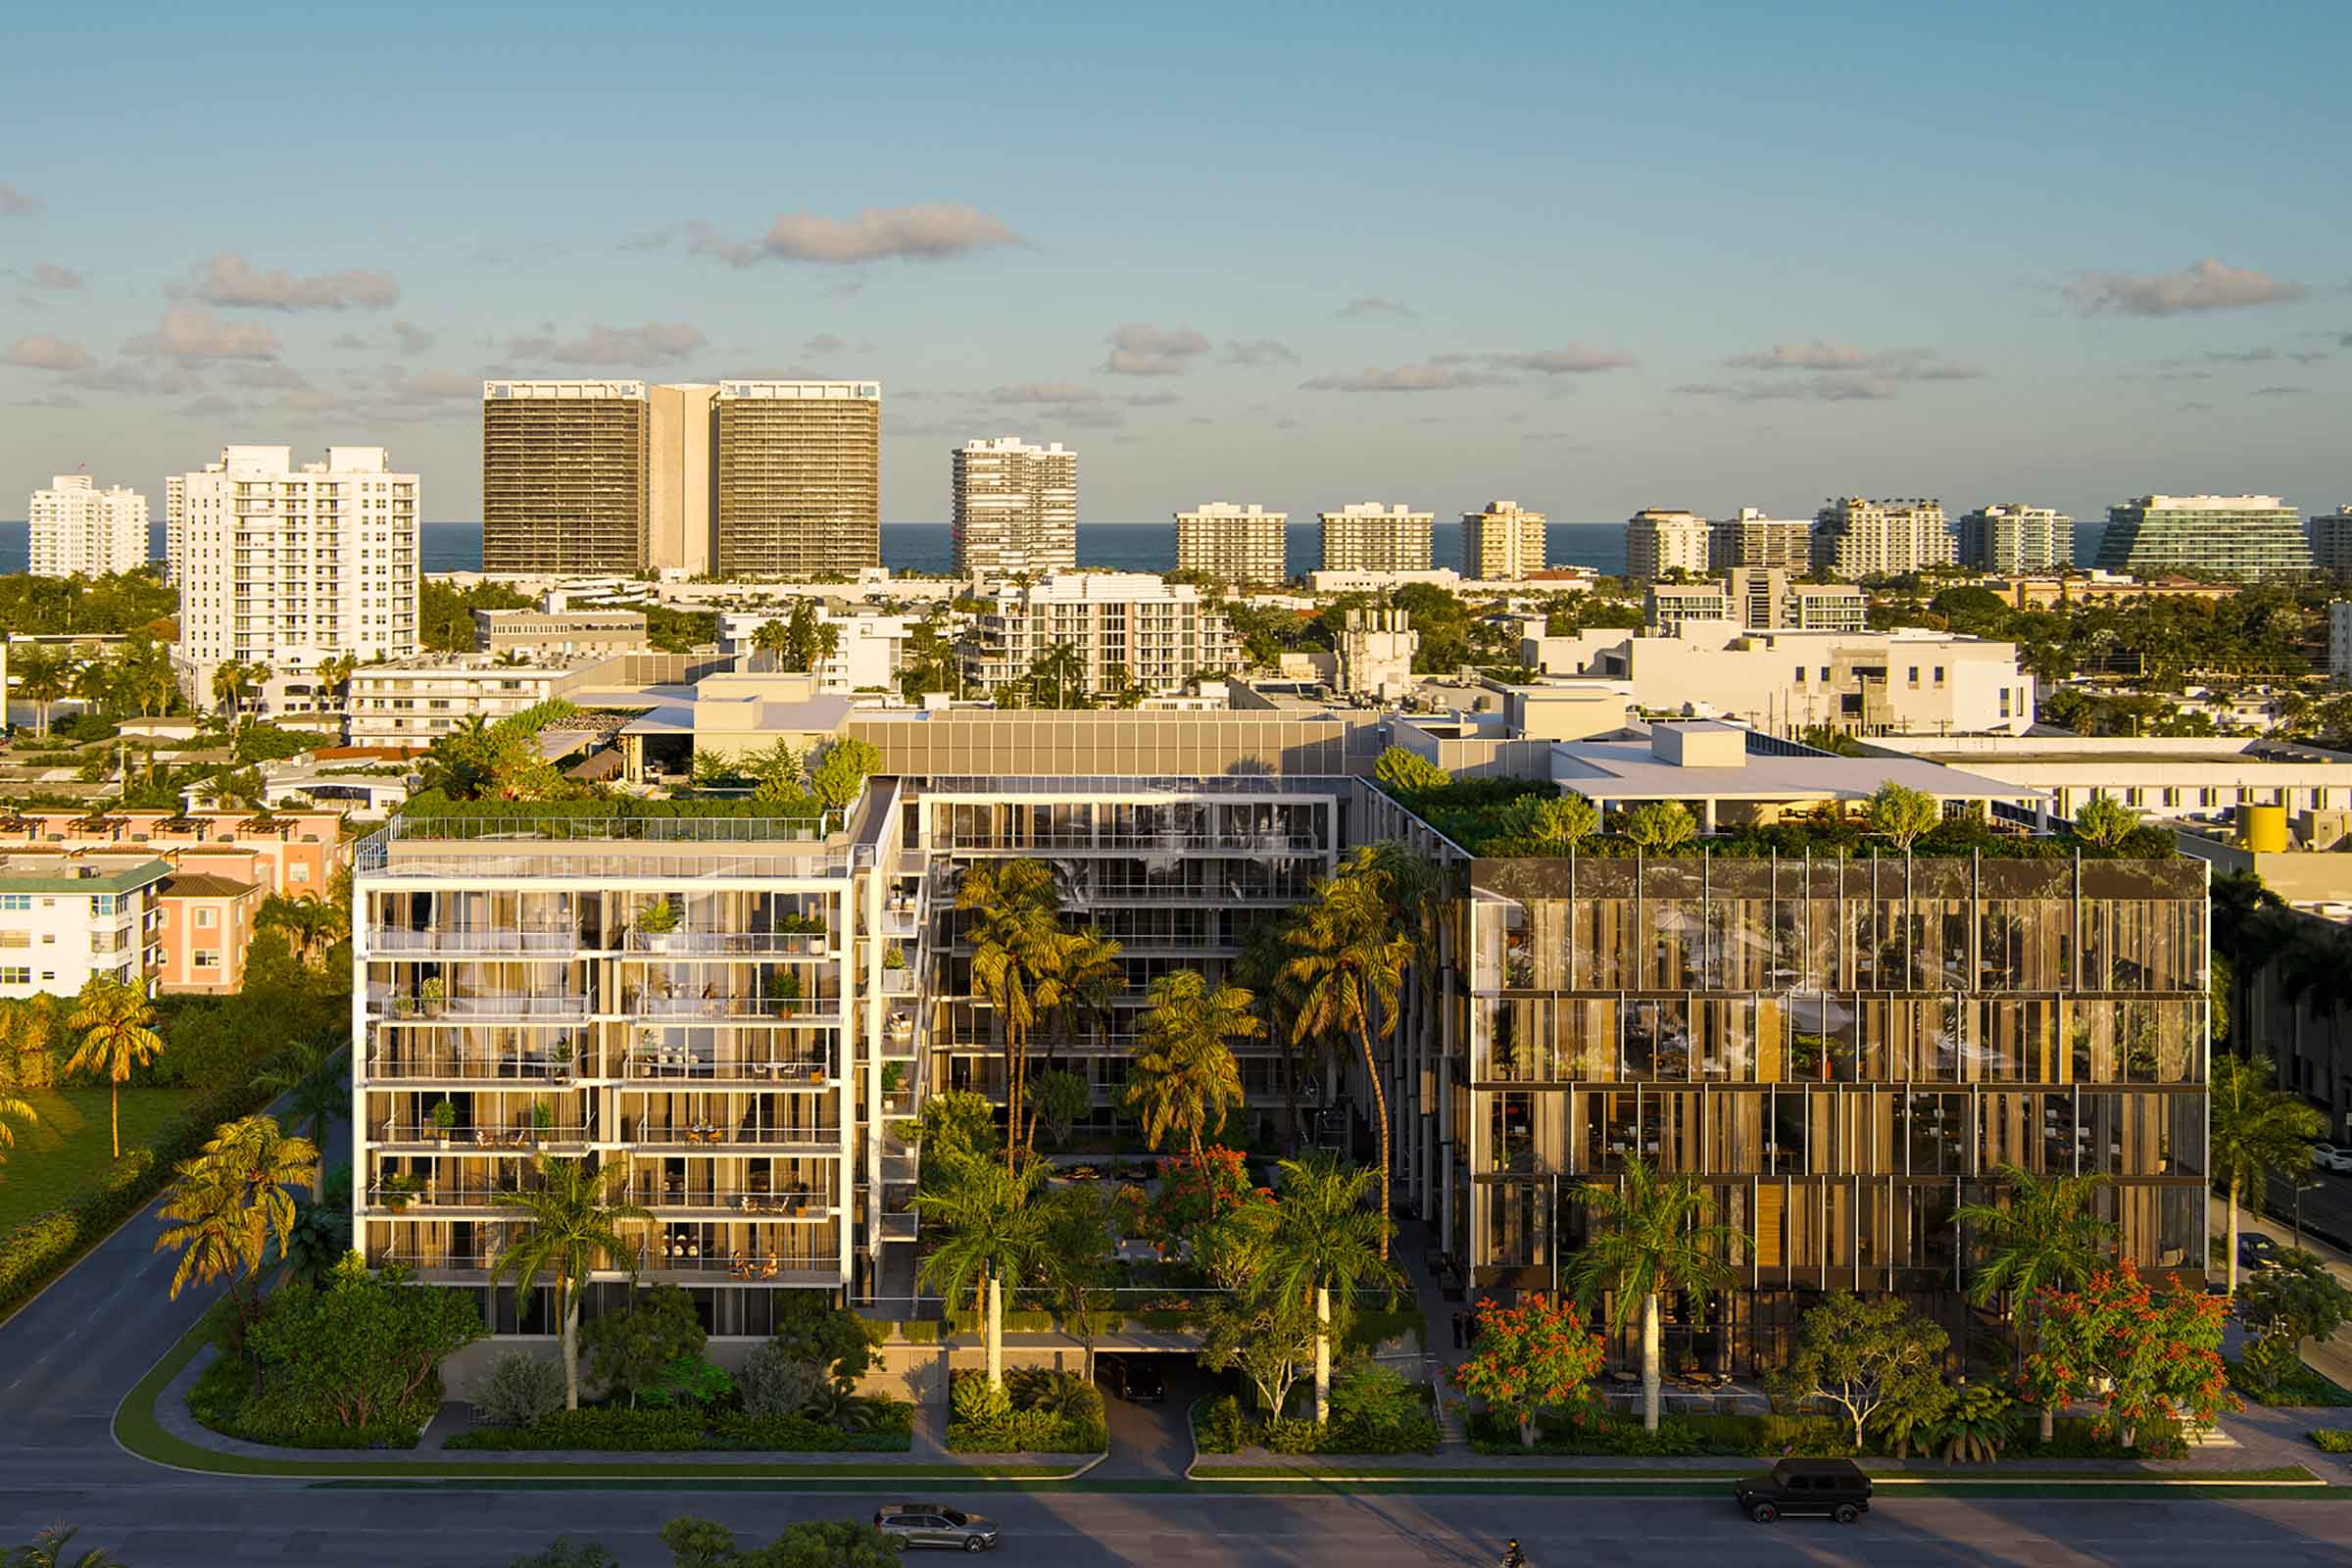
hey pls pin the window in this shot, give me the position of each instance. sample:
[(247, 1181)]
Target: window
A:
[(205, 919), (15, 976), (15, 900), (1938, 674), (102, 904), (208, 958), (2004, 702), (1913, 679)]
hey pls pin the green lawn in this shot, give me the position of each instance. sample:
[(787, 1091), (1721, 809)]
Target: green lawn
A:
[(69, 1152)]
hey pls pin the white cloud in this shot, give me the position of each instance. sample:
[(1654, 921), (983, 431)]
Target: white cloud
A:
[(929, 232), (1140, 349), (1375, 305), (1049, 392), (14, 203), (40, 351), (1257, 352), (2205, 285), (1832, 373), (1575, 360), (229, 280), (410, 338), (653, 343), (50, 276), (824, 343), (187, 334), (1428, 377)]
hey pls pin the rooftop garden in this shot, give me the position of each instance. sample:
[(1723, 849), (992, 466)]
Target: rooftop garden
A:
[(1513, 819)]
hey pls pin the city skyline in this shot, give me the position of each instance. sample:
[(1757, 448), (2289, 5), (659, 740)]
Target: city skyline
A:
[(175, 286)]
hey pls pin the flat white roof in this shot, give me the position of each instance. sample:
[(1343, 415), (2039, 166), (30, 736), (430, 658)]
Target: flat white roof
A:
[(1619, 771)]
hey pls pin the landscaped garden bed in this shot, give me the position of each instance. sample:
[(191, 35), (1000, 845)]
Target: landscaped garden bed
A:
[(1035, 1410), (1373, 1409), (889, 1429)]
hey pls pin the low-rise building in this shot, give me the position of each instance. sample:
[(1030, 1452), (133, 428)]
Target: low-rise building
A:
[(2339, 640), (294, 854), (66, 917), (1667, 607), (1375, 650), (2331, 535), (1126, 628), (2204, 777), (1757, 599), (207, 925), (415, 702), (869, 648), (558, 633)]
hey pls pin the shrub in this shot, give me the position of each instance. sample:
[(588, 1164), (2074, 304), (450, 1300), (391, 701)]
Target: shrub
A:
[(1375, 1398), (359, 1352), (518, 1390), (1218, 1427), (635, 1351), (689, 1382), (618, 1429), (2332, 1439), (1283, 1434), (775, 1383), (1049, 1388), (219, 1399), (837, 1340), (972, 1398)]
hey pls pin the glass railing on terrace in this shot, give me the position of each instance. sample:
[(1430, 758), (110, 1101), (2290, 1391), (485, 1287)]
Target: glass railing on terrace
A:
[(414, 1054), (406, 1006), (460, 1137), (691, 1132), (748, 1198), (478, 939), (689, 943), (659, 1061)]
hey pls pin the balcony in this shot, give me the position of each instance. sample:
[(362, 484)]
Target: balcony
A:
[(543, 939), (807, 1010), (814, 1205), (397, 1135), (898, 982), (645, 1134), (659, 1064), (692, 944), (899, 920), (395, 1059)]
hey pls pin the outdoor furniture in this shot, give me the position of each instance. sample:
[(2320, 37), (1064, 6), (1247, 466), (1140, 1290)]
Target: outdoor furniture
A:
[(769, 1269)]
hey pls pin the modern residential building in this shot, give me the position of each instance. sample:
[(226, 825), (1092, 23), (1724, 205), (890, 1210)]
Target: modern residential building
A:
[(69, 915), (1128, 630), (292, 853), (2247, 536), (79, 531), (565, 474), (868, 652), (1242, 547), (1502, 544), (1658, 541), (1666, 607), (1374, 654), (1857, 538), (414, 701), (175, 505), (2339, 641), (1770, 599), (282, 568), (2016, 540), (1366, 536), (2330, 534), (558, 633), (1752, 539), (1016, 508), (799, 477), (681, 507), (205, 929)]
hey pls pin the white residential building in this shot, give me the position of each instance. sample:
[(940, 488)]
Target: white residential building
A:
[(2163, 776), (80, 530), (1752, 539), (1502, 544), (1375, 653), (1857, 538), (2016, 540), (68, 916), (176, 507), (2330, 534), (1160, 634), (1366, 536), (1016, 509), (867, 656), (1239, 546), (414, 701), (1658, 541), (284, 567)]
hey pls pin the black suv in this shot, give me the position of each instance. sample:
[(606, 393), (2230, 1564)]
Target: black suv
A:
[(1133, 1378), (1836, 1488)]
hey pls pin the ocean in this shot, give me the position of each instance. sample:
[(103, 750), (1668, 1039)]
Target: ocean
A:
[(1125, 546)]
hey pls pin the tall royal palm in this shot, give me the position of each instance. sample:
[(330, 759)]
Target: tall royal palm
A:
[(1649, 1234), (1090, 972), (573, 1216), (1346, 970), (1017, 946), (308, 1075), (112, 1018), (991, 1227), (1183, 1078), (2038, 1235), (1325, 1233), (2255, 1131)]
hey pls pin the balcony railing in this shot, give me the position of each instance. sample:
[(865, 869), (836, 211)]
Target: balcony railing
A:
[(396, 1133), (656, 1064), (404, 1009), (392, 1063), (814, 1009), (739, 1200), (485, 939), (692, 943), (436, 1194), (690, 1134), (1271, 842)]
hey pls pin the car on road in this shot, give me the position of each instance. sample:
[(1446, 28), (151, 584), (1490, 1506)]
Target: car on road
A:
[(1135, 1378), (932, 1523), (2257, 1250), (1836, 1488), (2332, 1157)]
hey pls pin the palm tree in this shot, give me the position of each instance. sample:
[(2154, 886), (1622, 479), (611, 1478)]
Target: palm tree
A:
[(2256, 1131), (1649, 1235), (574, 1213), (2036, 1236), (1062, 668), (334, 672), (306, 1073), (50, 1550), (1324, 1237), (11, 1112), (1017, 948), (40, 680), (113, 1020), (1346, 970), (1090, 972), (232, 680), (1184, 1077), (771, 638), (990, 1230), (309, 925), (228, 1208)]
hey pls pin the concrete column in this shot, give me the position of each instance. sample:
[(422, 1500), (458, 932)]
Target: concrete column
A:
[(1322, 1355)]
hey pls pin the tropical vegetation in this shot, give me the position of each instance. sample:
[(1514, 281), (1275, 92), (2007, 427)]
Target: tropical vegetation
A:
[(1649, 1234)]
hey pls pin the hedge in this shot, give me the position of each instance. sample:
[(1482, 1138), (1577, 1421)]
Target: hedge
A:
[(1029, 1432), (2332, 1439), (1677, 1437), (219, 1400), (621, 1430), (431, 805), (1219, 1426), (33, 1253)]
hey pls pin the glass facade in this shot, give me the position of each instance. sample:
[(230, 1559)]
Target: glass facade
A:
[(1841, 1051)]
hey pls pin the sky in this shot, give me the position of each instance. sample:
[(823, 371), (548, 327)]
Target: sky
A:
[(1587, 258)]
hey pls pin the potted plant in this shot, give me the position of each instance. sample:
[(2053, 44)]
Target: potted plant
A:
[(894, 1077), (558, 1058), (894, 959), (444, 1116), (543, 1118), (403, 1006), (398, 1192), (657, 923), (435, 993), (788, 991), (819, 933)]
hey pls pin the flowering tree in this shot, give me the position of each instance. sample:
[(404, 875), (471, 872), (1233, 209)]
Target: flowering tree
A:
[(2147, 1357), (1536, 1355), (1191, 1192)]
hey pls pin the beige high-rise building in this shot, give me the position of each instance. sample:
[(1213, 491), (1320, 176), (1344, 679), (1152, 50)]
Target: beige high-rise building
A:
[(1658, 540), (566, 469), (1016, 507), (77, 529), (1242, 546), (1752, 539), (682, 479), (176, 509), (1502, 544), (1857, 538), (1366, 536), (799, 477), (2014, 539)]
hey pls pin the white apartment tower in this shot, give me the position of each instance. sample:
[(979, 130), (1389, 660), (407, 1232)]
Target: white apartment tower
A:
[(1752, 539), (1502, 544), (286, 567), (1366, 536), (2013, 540), (176, 507), (1127, 629), (1857, 538), (1239, 546), (1658, 541), (1016, 507), (80, 530)]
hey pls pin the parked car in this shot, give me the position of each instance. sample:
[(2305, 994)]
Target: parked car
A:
[(1835, 1487), (1135, 1378), (932, 1523), (2256, 1250), (2332, 1157)]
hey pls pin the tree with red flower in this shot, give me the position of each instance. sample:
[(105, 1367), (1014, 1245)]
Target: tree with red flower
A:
[(1534, 1356), (2147, 1358)]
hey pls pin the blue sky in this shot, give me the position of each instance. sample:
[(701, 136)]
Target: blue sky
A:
[(1704, 256)]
